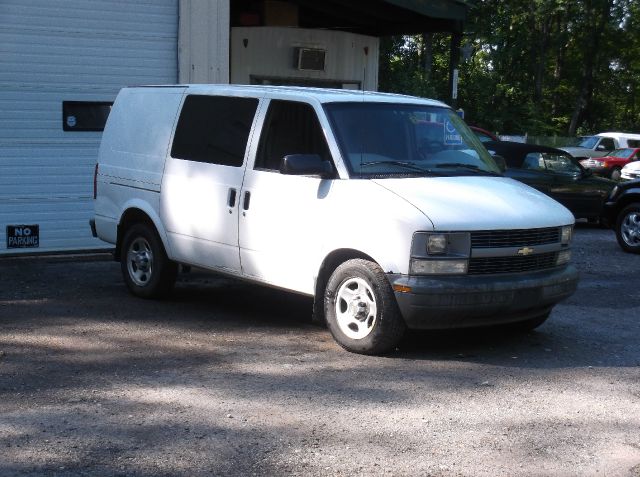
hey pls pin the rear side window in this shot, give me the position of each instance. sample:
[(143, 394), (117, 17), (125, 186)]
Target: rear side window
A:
[(290, 128), (214, 129)]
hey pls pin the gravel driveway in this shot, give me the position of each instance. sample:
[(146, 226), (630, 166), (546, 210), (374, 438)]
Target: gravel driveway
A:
[(228, 379)]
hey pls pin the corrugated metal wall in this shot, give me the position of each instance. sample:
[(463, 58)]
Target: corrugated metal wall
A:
[(75, 50)]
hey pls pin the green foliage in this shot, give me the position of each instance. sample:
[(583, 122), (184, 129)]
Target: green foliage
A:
[(542, 67)]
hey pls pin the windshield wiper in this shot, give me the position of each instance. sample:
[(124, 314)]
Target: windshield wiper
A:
[(468, 167), (407, 165)]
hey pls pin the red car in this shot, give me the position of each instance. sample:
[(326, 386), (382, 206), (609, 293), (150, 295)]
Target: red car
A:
[(483, 134), (610, 165)]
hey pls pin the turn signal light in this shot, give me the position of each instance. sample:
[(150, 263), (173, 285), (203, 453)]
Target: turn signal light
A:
[(402, 288)]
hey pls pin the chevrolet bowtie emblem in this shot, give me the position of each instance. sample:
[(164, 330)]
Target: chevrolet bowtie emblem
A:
[(525, 251)]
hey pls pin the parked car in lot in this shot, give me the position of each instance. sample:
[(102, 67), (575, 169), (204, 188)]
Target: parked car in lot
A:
[(386, 209), (557, 174), (622, 211), (483, 134), (602, 144), (611, 165), (630, 171)]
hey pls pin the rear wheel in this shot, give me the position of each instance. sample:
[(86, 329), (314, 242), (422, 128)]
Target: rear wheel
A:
[(361, 309), (146, 269), (628, 228), (615, 174)]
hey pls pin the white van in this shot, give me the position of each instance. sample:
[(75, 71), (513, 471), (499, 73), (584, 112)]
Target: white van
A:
[(601, 145), (385, 208)]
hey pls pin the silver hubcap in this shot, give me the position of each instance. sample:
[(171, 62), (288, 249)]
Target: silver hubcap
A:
[(140, 261), (630, 229), (615, 174), (356, 309)]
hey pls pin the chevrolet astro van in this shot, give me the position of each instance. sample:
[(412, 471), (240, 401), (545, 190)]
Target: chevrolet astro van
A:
[(385, 208)]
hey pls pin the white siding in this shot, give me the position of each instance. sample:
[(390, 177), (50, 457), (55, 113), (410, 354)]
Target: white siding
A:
[(75, 50), (204, 41), (351, 60)]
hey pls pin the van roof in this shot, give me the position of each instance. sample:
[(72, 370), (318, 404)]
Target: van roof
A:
[(322, 95), (618, 135)]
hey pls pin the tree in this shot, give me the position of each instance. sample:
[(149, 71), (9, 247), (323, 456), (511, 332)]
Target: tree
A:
[(541, 67)]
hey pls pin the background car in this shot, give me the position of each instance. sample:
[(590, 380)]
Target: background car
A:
[(484, 135), (611, 165), (601, 144), (557, 174), (630, 171), (622, 213)]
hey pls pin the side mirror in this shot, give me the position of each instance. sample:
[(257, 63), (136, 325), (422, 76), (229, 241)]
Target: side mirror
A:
[(306, 165), (500, 162), (601, 147)]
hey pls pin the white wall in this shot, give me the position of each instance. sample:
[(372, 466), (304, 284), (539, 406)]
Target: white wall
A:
[(204, 41), (269, 53)]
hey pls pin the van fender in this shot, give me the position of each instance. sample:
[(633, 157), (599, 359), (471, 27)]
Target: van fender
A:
[(151, 212)]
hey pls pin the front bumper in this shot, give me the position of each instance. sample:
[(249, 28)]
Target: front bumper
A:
[(468, 301)]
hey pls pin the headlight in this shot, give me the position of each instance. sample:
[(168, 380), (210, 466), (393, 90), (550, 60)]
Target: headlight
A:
[(444, 253), (436, 244), (563, 257), (438, 267), (567, 232)]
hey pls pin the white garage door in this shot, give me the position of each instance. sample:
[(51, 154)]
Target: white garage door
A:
[(80, 52)]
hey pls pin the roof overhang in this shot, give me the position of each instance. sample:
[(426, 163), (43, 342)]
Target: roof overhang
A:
[(384, 17)]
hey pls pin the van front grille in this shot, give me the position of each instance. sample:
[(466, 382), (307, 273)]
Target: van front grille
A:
[(489, 265), (515, 238)]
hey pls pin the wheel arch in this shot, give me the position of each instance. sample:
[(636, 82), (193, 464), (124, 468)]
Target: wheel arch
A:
[(626, 199), (134, 214), (328, 265)]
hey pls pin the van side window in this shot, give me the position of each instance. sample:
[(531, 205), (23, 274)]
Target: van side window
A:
[(633, 143), (290, 128), (607, 144), (214, 129)]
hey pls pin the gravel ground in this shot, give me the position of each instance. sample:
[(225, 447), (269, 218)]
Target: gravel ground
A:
[(228, 379)]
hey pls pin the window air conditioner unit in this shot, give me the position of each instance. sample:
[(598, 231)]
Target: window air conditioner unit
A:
[(309, 59)]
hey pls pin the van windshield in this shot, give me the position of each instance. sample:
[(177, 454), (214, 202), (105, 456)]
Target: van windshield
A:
[(588, 141), (386, 139)]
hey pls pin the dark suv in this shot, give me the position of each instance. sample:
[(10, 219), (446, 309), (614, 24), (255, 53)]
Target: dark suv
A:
[(622, 212)]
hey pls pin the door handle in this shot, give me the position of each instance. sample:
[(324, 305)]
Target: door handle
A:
[(247, 199), (231, 200)]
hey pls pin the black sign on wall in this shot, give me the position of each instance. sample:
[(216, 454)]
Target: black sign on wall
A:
[(23, 236), (85, 115)]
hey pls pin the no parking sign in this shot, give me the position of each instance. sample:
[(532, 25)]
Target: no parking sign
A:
[(23, 236)]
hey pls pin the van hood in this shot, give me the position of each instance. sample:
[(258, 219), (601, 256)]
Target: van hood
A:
[(479, 203), (582, 152)]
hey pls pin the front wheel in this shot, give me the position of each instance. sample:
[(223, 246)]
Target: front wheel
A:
[(628, 228), (146, 269), (361, 309)]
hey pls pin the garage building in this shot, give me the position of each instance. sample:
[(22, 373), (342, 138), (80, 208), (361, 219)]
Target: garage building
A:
[(62, 64)]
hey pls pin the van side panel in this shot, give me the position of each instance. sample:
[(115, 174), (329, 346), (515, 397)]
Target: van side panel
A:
[(136, 138), (132, 153)]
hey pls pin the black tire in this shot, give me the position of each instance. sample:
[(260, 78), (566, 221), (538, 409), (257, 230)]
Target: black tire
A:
[(628, 228), (146, 269), (615, 174), (370, 323)]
